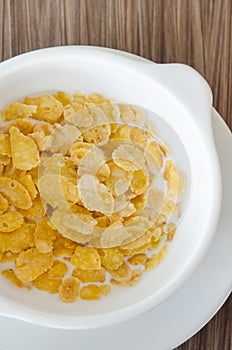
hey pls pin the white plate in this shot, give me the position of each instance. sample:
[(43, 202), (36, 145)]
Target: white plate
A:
[(169, 324)]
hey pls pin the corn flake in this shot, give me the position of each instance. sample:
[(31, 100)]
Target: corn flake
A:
[(172, 177), (25, 154), (155, 260), (44, 283), (63, 247), (16, 194), (86, 258), (18, 110), (93, 292), (44, 236), (5, 145), (30, 264), (153, 156), (19, 239), (138, 259), (128, 157), (48, 108), (24, 125), (122, 274), (10, 221), (8, 256), (36, 211), (27, 182), (10, 275), (4, 205), (135, 278), (64, 98), (86, 276), (69, 290), (57, 271), (95, 195), (111, 258)]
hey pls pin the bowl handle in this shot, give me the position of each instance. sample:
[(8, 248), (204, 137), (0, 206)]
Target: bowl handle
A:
[(188, 86)]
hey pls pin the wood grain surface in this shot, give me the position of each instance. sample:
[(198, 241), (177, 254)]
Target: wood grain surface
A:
[(195, 32)]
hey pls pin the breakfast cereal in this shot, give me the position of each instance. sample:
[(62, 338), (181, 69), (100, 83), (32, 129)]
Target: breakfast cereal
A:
[(79, 203)]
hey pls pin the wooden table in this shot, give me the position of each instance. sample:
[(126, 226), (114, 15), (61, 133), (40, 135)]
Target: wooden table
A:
[(195, 32)]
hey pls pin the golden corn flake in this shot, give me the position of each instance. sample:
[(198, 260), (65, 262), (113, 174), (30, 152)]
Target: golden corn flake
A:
[(49, 109), (10, 275), (128, 157), (121, 187), (19, 239), (40, 140), (127, 113), (57, 271), (138, 259), (24, 125), (69, 290), (78, 150), (128, 210), (155, 260), (27, 182), (153, 156), (122, 274), (63, 247), (71, 225), (36, 211), (68, 169), (93, 292), (31, 263), (4, 205), (70, 190), (97, 99), (11, 171), (71, 112), (25, 154), (95, 195), (5, 160), (139, 115), (121, 132), (16, 194), (64, 98), (43, 282), (164, 149), (138, 136), (44, 236), (139, 182), (172, 177), (103, 172), (90, 275), (111, 258), (86, 258), (114, 235), (10, 221), (8, 256), (18, 110), (134, 279), (171, 231), (5, 145)]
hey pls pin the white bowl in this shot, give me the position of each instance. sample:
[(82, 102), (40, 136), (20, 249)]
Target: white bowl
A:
[(182, 98)]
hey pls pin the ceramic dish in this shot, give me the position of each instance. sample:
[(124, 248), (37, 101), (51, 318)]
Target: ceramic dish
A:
[(182, 99)]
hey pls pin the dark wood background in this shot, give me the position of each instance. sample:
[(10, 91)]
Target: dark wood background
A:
[(195, 32)]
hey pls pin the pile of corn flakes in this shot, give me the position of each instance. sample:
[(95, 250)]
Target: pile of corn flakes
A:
[(80, 209)]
